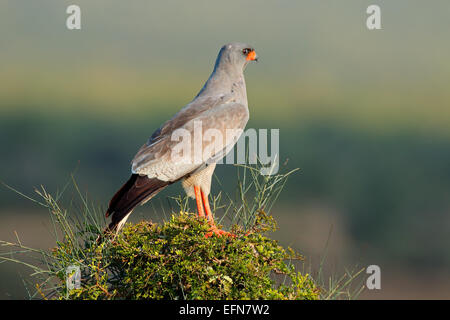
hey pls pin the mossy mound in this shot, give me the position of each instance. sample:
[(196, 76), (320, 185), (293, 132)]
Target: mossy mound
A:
[(176, 261)]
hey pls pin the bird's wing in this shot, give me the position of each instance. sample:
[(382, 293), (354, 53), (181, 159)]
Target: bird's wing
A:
[(156, 158), (190, 111)]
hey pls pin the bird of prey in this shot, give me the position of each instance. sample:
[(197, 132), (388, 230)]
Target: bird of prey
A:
[(220, 105)]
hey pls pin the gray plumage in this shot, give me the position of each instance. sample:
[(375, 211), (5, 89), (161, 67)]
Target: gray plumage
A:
[(221, 104)]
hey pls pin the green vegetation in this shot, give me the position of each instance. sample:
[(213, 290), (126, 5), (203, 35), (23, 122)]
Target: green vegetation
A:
[(173, 260), (176, 261), (384, 187)]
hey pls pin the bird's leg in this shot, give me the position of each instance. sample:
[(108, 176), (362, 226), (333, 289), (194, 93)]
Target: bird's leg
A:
[(210, 218), (209, 215), (198, 199)]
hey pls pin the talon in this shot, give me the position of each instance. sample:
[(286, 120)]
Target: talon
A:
[(219, 233), (204, 211)]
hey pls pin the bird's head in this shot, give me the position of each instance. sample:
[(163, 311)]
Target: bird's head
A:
[(236, 55)]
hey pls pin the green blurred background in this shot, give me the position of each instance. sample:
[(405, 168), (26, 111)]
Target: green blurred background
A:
[(364, 114)]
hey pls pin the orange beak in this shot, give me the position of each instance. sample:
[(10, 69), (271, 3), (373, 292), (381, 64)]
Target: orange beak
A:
[(251, 56)]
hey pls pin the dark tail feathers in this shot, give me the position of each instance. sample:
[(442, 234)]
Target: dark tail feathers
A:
[(136, 190)]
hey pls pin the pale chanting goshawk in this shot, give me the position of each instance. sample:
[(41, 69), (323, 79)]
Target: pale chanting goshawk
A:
[(220, 105)]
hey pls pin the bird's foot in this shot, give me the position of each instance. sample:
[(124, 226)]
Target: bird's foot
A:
[(218, 232)]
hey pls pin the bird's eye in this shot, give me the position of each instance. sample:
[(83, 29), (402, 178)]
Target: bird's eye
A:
[(246, 51)]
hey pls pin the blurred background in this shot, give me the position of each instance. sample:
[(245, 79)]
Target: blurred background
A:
[(364, 114)]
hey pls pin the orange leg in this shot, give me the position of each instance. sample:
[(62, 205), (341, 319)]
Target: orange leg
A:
[(210, 218), (209, 215), (198, 199)]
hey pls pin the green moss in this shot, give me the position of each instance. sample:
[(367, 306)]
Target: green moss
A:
[(176, 261)]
